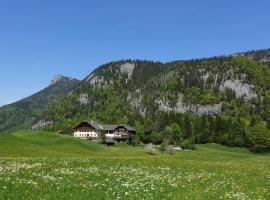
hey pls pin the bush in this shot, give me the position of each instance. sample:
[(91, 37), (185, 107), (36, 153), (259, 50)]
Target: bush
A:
[(258, 138), (170, 150), (155, 138), (152, 137), (150, 148), (162, 148), (239, 141), (188, 144), (135, 140)]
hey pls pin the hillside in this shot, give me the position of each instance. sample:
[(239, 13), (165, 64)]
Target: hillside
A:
[(24, 113), (215, 99), (212, 100), (42, 144), (42, 165), (206, 86)]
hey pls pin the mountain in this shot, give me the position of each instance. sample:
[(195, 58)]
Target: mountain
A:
[(213, 99), (143, 88), (22, 114)]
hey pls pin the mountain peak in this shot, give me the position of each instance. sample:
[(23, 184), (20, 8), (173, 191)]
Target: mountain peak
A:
[(57, 78)]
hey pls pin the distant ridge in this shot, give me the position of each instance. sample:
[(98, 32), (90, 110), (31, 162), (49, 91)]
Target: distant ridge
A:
[(128, 90), (22, 114)]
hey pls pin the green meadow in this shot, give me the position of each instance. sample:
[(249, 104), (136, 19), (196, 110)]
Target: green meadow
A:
[(42, 165)]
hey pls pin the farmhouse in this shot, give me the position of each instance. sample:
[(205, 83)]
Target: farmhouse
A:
[(93, 130)]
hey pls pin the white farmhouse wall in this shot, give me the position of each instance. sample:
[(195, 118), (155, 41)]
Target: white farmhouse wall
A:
[(91, 134)]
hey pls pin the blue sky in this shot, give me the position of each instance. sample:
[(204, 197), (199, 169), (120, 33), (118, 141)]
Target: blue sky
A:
[(39, 39)]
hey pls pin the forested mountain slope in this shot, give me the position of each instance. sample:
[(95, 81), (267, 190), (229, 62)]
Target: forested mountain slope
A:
[(24, 113), (218, 85), (218, 99)]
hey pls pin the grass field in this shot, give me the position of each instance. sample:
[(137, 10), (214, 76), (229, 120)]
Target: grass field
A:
[(41, 165)]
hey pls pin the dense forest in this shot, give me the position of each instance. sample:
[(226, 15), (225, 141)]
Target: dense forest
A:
[(223, 99)]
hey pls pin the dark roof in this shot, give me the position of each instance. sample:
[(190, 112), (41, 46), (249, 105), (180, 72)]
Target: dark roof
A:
[(128, 127), (107, 127), (113, 127), (94, 124)]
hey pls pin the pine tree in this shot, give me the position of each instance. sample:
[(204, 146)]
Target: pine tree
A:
[(187, 128)]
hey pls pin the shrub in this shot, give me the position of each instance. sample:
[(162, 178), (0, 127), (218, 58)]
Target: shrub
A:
[(150, 148), (155, 138), (162, 148), (239, 141), (135, 141), (224, 139), (258, 138), (188, 144)]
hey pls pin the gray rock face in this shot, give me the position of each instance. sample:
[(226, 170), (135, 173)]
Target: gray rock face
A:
[(235, 82), (205, 77), (127, 68), (96, 80), (135, 100), (83, 98), (181, 107), (41, 124), (241, 89), (168, 76), (89, 78), (265, 60), (58, 78), (206, 109)]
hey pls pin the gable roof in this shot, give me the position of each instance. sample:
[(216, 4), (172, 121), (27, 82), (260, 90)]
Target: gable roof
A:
[(115, 126), (128, 127), (108, 127), (93, 124)]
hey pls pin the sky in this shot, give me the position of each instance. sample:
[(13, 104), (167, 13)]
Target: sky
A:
[(39, 39)]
